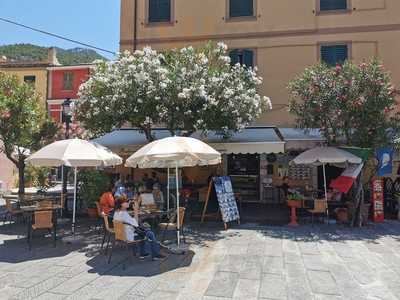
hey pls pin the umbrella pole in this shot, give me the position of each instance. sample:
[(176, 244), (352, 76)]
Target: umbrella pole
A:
[(63, 197), (177, 203), (167, 189), (74, 205), (326, 194)]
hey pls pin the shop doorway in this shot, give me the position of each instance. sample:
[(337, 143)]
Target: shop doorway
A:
[(332, 172), (244, 170)]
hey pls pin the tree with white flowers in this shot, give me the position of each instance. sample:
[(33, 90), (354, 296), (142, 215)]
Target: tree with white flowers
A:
[(186, 90)]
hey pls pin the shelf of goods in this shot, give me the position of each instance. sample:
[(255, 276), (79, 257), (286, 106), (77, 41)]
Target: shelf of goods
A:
[(247, 186)]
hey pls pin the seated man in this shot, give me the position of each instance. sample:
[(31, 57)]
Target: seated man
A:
[(132, 227)]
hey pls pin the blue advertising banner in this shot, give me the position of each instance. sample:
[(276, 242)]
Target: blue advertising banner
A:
[(226, 198), (385, 159)]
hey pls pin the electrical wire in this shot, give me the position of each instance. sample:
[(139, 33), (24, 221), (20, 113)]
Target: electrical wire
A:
[(56, 35)]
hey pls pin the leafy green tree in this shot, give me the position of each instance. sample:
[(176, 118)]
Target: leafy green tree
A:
[(24, 125), (187, 90), (351, 104)]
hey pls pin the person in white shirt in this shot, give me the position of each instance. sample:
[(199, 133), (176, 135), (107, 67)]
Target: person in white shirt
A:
[(121, 214)]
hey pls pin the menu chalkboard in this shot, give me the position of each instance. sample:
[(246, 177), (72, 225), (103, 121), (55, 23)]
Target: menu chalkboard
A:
[(226, 198)]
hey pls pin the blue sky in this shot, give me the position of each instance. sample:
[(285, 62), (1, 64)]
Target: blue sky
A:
[(94, 22)]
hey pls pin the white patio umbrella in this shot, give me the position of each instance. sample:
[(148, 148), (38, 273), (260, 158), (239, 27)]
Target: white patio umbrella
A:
[(324, 155), (174, 152), (74, 153)]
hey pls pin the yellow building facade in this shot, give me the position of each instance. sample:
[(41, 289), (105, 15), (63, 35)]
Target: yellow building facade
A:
[(283, 36), (32, 73)]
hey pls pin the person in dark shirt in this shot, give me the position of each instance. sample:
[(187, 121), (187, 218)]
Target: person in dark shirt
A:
[(148, 182), (285, 186)]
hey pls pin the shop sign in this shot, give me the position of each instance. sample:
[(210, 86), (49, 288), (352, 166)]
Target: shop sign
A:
[(385, 158), (377, 201)]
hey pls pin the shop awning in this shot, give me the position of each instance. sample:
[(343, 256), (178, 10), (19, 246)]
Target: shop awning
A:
[(251, 140), (299, 139)]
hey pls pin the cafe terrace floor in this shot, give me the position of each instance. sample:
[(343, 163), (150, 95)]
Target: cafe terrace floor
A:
[(245, 262)]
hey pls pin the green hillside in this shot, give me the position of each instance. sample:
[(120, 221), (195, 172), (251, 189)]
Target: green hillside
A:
[(29, 52)]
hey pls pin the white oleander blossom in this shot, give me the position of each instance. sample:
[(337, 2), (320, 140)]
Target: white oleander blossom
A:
[(190, 88)]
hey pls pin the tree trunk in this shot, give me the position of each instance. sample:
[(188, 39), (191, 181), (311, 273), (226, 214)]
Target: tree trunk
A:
[(21, 177)]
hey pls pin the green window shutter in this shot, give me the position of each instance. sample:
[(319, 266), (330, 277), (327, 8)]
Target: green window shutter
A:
[(332, 4), (241, 8), (243, 57), (248, 58), (159, 11), (234, 55), (335, 54)]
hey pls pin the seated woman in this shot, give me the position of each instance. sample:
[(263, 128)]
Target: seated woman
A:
[(132, 228), (107, 201)]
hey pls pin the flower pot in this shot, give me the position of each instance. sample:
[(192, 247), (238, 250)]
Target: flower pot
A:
[(294, 203), (92, 212)]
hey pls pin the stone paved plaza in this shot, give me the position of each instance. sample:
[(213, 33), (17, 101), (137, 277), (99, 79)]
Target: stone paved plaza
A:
[(246, 262)]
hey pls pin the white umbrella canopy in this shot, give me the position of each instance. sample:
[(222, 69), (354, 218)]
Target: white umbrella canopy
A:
[(174, 152), (323, 156), (326, 155), (74, 153)]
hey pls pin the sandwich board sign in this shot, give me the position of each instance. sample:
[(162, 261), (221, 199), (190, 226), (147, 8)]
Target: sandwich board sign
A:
[(226, 199)]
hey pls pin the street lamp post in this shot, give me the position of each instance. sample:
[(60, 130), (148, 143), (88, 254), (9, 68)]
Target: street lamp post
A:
[(66, 118)]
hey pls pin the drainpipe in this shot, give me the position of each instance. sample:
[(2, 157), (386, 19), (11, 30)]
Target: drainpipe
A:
[(135, 26)]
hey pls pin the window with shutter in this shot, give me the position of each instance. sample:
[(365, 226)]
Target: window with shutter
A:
[(68, 81), (241, 8), (327, 5), (159, 11), (334, 54), (30, 79), (244, 57)]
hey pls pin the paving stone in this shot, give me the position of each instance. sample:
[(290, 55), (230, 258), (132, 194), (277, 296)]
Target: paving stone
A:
[(309, 248), (361, 271), (298, 288), (273, 286), (9, 292), (157, 295), (252, 269), (273, 264), (295, 270), (40, 288), (247, 289), (231, 263), (223, 284), (322, 282), (315, 262), (51, 296), (73, 284), (347, 286), (292, 258)]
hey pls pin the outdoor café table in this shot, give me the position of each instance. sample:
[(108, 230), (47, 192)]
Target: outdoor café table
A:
[(152, 215), (29, 212)]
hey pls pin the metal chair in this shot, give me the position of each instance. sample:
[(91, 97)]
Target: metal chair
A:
[(108, 232), (320, 208), (172, 224), (12, 212), (120, 237)]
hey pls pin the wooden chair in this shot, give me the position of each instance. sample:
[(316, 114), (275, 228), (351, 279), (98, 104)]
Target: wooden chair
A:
[(172, 224), (320, 208), (43, 220), (108, 232), (120, 237), (12, 212)]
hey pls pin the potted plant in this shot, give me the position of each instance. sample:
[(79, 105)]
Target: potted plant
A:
[(294, 200), (92, 184)]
